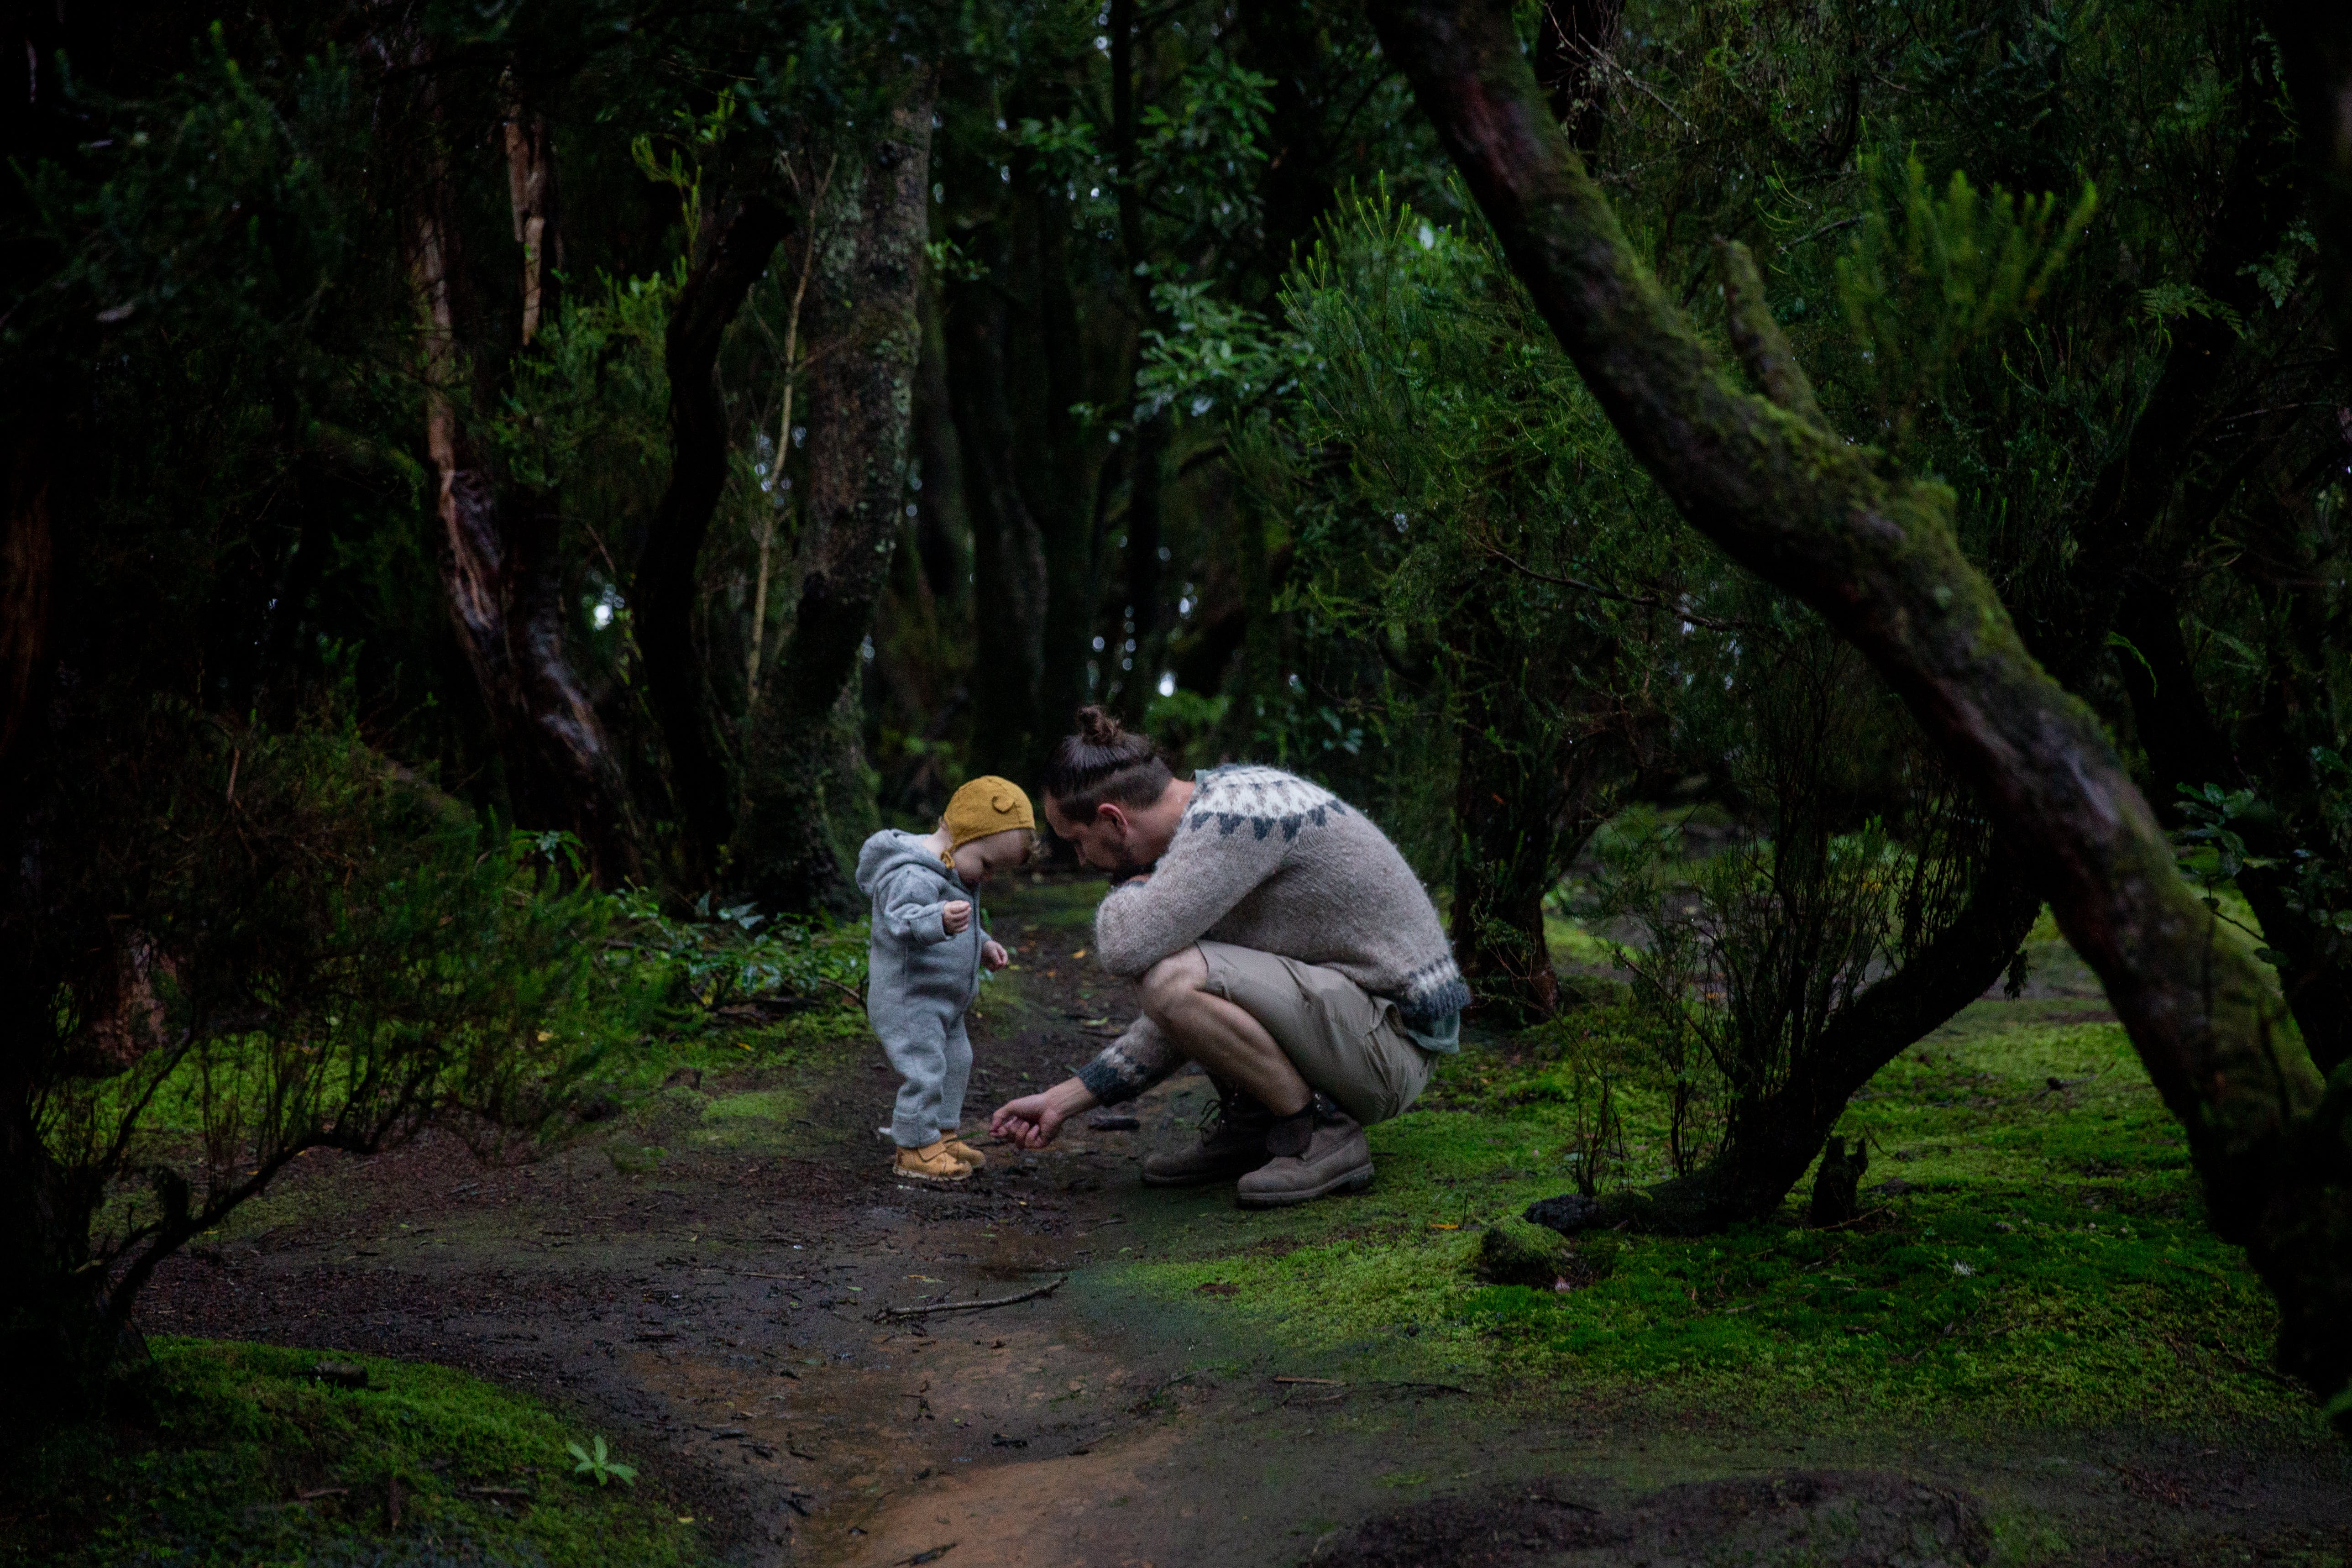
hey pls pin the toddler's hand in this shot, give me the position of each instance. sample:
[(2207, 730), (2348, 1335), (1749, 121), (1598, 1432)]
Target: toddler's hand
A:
[(955, 917), (992, 954)]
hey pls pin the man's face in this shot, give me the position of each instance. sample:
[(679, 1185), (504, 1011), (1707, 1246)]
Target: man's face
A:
[(1105, 843)]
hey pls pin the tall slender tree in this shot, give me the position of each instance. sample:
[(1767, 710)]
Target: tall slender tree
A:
[(806, 796)]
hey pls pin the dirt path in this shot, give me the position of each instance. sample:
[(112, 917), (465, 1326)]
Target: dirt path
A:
[(712, 1310)]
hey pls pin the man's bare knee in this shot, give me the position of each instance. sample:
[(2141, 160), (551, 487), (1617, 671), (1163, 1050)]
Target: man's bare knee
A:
[(1169, 983)]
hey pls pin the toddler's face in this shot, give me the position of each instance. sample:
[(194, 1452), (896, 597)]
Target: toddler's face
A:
[(981, 859)]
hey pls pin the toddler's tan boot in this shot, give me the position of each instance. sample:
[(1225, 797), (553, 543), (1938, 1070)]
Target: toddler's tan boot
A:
[(932, 1163), (960, 1150)]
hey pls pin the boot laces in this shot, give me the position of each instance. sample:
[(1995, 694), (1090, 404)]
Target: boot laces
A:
[(1230, 1107)]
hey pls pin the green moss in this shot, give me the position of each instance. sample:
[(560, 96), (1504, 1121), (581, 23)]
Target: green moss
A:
[(213, 1469), (2042, 1259), (757, 1121), (1571, 942)]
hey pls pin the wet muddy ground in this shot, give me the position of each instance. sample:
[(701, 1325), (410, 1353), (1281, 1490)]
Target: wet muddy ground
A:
[(719, 1311)]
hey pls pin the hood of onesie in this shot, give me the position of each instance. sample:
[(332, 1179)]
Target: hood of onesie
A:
[(889, 850)]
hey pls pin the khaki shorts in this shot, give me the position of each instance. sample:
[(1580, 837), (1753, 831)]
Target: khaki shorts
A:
[(1342, 1039)]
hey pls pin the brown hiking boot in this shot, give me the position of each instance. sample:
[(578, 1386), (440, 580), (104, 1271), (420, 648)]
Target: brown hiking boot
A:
[(932, 1163), (1318, 1151), (1233, 1143), (960, 1150)]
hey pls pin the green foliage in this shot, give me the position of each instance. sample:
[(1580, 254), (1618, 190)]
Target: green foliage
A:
[(315, 949), (697, 140), (223, 192), (1182, 724), (2314, 885), (1220, 355), (287, 943), (587, 411), (722, 957), (235, 1454), (1199, 148), (1454, 498), (1929, 279), (1203, 145)]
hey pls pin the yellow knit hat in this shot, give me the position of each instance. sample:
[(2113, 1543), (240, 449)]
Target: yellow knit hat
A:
[(987, 804)]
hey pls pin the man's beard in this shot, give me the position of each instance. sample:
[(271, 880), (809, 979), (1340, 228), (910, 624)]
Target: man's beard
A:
[(1128, 870)]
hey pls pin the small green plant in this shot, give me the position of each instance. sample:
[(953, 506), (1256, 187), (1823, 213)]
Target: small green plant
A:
[(605, 1468), (1596, 1131)]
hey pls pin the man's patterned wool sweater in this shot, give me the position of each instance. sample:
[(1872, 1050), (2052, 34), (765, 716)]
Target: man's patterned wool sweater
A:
[(1265, 859)]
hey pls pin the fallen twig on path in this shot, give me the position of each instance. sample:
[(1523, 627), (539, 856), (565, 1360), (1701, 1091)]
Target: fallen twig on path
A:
[(1325, 1381), (970, 1306)]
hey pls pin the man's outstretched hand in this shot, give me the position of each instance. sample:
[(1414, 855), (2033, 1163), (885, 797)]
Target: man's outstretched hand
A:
[(1033, 1121)]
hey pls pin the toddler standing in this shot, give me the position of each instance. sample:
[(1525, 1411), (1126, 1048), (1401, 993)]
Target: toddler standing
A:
[(924, 961)]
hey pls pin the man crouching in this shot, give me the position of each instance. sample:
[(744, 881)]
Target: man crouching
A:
[(1281, 942)]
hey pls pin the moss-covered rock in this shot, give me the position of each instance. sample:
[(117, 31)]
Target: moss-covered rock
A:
[(1514, 1252)]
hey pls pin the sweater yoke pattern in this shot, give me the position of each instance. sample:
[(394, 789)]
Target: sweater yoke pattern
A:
[(1261, 798)]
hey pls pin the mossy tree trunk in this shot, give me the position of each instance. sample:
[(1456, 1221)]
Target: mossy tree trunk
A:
[(1763, 475), (806, 794)]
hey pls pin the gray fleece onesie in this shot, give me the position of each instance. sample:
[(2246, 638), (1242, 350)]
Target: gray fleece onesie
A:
[(919, 981)]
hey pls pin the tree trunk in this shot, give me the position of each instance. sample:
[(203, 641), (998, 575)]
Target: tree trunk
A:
[(27, 563), (1147, 475), (942, 525), (2317, 40), (1507, 803), (662, 590), (1874, 552), (1008, 593), (1146, 488), (1290, 46), (55, 1350), (531, 192), (805, 793), (1059, 485), (1770, 1139), (560, 770)]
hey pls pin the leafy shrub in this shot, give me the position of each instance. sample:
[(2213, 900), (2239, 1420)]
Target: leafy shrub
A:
[(723, 957), (261, 941)]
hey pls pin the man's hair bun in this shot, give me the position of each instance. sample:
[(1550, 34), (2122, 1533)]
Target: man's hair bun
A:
[(1103, 762), (1097, 728)]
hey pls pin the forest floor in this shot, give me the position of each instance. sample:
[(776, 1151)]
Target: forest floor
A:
[(2029, 1349)]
